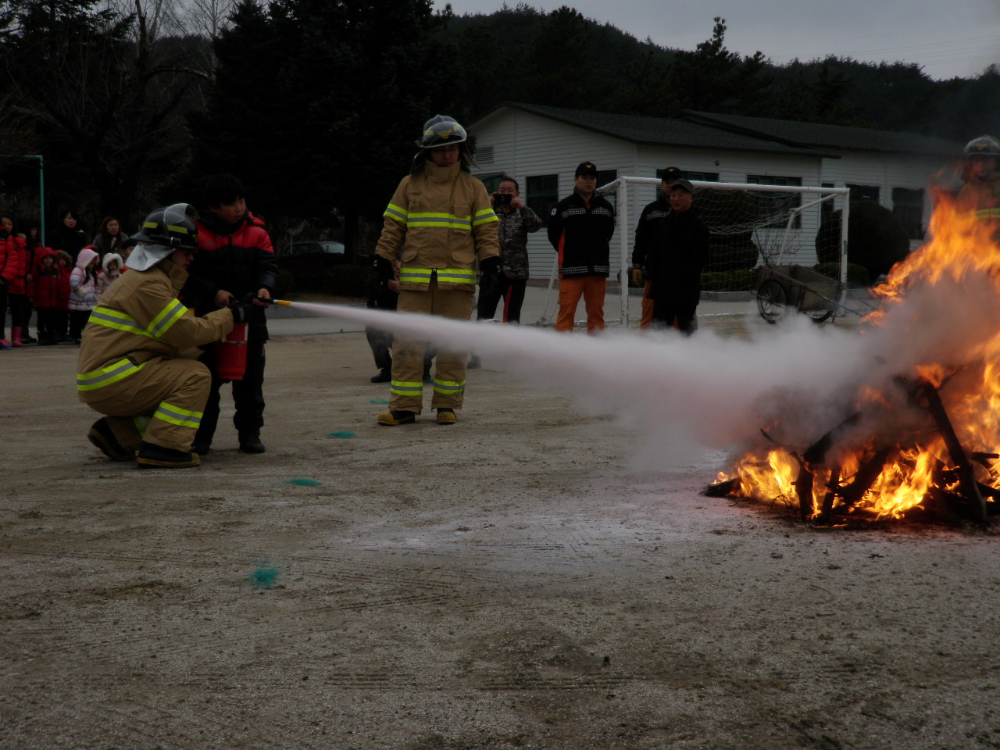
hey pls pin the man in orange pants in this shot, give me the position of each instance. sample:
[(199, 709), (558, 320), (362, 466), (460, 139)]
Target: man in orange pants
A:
[(580, 229)]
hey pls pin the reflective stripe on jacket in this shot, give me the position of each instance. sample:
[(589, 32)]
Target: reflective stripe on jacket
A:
[(140, 318), (436, 224)]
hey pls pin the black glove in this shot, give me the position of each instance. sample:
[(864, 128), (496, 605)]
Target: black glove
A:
[(490, 267), (384, 270), (241, 312)]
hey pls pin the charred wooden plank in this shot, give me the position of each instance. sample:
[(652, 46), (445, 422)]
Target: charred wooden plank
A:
[(866, 475), (804, 489), (816, 453), (832, 486), (723, 489), (966, 478)]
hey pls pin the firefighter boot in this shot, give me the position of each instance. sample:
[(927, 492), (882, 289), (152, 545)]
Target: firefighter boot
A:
[(101, 435), (396, 418), (157, 457), (446, 416), (250, 442)]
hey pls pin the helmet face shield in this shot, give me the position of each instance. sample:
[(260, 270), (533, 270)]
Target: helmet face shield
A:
[(173, 226), (984, 145), (442, 130)]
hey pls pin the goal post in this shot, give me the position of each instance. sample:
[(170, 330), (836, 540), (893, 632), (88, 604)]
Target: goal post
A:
[(750, 225)]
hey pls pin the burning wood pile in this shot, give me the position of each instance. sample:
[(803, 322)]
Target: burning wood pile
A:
[(918, 435)]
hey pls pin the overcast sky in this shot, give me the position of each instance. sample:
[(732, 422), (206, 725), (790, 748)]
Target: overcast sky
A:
[(947, 38)]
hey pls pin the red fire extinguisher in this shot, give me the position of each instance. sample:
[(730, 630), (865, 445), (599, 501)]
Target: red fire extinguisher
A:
[(231, 354)]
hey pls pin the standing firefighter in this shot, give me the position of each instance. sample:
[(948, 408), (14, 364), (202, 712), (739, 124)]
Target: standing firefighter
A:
[(981, 192), (131, 367), (438, 222)]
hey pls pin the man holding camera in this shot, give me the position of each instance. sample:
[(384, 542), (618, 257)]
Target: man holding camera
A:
[(516, 221)]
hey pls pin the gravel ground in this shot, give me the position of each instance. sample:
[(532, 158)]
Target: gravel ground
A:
[(507, 582)]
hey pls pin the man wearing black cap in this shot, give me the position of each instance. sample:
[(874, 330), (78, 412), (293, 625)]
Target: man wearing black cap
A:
[(580, 229), (674, 266), (645, 231)]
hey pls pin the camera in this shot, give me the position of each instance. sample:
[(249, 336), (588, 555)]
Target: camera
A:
[(502, 200)]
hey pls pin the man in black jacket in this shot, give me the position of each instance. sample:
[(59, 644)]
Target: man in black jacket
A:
[(674, 263), (645, 232), (580, 229)]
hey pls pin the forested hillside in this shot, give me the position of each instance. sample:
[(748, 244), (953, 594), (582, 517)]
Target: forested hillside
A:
[(316, 104)]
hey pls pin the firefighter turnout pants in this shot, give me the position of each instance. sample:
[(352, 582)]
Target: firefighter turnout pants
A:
[(408, 355), (162, 403)]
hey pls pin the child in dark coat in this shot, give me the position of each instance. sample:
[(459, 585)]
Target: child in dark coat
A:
[(46, 292)]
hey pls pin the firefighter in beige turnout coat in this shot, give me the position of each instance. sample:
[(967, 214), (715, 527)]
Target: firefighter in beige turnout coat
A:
[(132, 367), (438, 222)]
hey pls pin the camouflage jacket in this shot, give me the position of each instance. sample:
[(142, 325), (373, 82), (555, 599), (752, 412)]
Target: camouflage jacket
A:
[(513, 236)]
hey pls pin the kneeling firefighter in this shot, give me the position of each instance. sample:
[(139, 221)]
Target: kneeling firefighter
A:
[(131, 365)]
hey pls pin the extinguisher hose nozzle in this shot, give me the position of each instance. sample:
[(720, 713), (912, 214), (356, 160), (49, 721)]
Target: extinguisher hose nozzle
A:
[(282, 302)]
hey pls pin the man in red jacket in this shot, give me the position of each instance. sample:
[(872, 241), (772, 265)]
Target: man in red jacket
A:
[(235, 262)]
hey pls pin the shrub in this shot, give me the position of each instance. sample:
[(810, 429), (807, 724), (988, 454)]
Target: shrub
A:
[(875, 239)]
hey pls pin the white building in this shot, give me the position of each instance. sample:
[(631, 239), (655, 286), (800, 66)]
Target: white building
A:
[(541, 147)]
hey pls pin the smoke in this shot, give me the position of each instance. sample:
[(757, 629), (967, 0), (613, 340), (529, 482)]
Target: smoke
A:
[(685, 394), (681, 394)]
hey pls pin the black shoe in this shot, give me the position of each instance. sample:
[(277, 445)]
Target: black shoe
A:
[(29, 340), (202, 449), (383, 377), (474, 363), (157, 457), (101, 435), (250, 442)]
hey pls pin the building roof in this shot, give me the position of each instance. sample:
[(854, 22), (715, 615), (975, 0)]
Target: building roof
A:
[(660, 131), (821, 136)]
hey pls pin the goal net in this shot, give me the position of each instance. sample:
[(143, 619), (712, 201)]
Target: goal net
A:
[(750, 224)]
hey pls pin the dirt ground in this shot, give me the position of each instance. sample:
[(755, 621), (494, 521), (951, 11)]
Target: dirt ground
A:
[(507, 582)]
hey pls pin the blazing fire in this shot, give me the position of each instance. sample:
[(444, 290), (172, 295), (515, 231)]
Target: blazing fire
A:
[(921, 433)]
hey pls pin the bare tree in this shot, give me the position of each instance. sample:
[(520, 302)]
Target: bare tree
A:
[(108, 99)]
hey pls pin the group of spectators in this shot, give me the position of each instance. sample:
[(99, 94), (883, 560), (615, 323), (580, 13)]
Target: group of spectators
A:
[(60, 279)]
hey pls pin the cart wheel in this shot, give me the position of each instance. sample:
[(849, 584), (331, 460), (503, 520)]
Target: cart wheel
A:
[(771, 301), (819, 316)]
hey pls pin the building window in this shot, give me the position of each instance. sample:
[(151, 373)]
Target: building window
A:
[(826, 208), (864, 193), (491, 180), (908, 206), (543, 195), (773, 208), (702, 176)]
